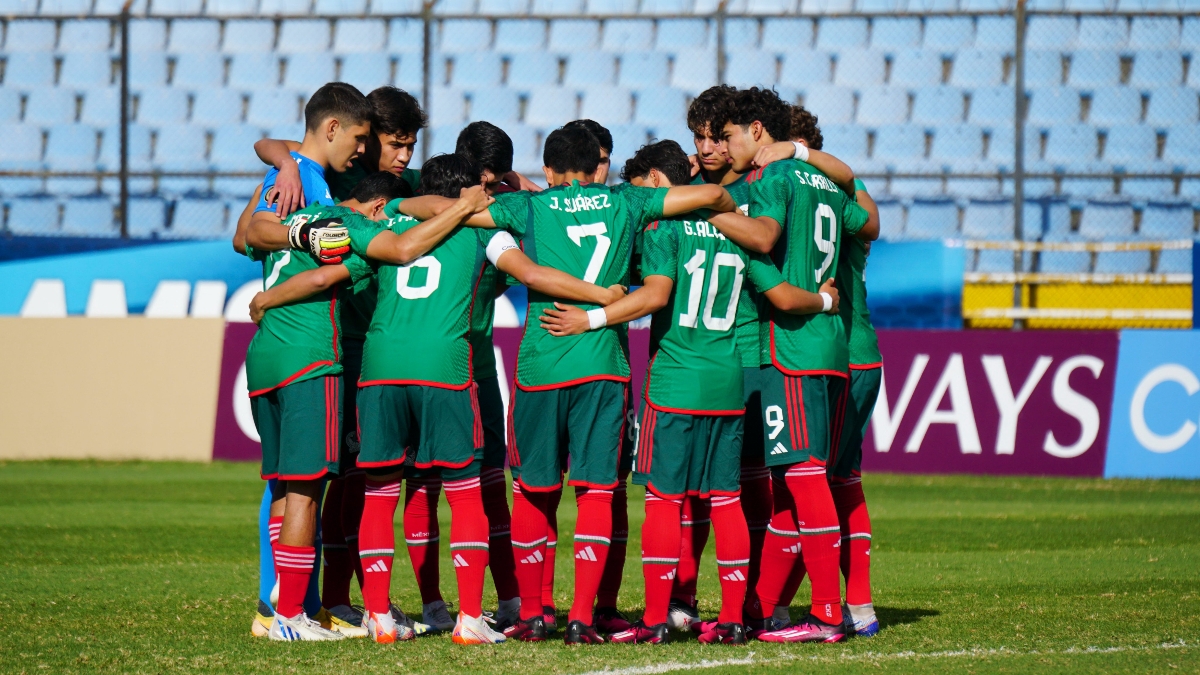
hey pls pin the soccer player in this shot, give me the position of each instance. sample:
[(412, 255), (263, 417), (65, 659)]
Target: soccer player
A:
[(690, 433), (803, 388)]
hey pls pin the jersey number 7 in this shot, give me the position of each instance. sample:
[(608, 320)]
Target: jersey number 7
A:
[(603, 243)]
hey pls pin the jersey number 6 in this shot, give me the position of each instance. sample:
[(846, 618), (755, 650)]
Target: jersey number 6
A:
[(433, 274)]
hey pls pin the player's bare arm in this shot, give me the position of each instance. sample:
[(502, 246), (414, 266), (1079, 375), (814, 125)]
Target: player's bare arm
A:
[(555, 283), (288, 193), (794, 300), (870, 231), (401, 249), (753, 234), (570, 320), (266, 232), (430, 206), (326, 240), (302, 286), (686, 198), (835, 169), (243, 222)]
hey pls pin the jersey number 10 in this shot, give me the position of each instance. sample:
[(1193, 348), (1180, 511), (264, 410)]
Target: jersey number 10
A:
[(695, 270)]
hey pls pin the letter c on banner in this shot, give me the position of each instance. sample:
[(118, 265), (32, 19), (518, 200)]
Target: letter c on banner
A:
[(1168, 372), (241, 406)]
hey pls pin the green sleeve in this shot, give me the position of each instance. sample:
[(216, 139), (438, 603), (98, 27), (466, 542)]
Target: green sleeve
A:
[(511, 211), (660, 250), (769, 197), (360, 270), (362, 232), (859, 186), (762, 272), (644, 204), (854, 217), (255, 255), (411, 178), (392, 208)]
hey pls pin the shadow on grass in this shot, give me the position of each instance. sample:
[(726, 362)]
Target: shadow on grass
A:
[(896, 616)]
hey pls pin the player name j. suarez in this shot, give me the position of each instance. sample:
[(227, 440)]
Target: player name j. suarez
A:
[(581, 203)]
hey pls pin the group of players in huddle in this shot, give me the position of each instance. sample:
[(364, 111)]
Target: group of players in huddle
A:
[(373, 365)]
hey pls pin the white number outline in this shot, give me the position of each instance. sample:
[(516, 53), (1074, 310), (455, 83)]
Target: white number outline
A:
[(777, 424), (695, 269), (826, 246), (274, 276), (432, 279), (603, 243)]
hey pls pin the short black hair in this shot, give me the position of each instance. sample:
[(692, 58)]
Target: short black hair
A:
[(447, 175), (488, 145), (707, 108), (571, 148), (396, 112), (666, 156), (604, 136), (759, 105), (340, 101), (383, 184), (804, 127)]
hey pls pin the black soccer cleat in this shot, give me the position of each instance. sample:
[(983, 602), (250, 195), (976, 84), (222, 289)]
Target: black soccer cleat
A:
[(579, 633), (610, 620), (640, 633), (549, 616), (527, 630), (722, 633)]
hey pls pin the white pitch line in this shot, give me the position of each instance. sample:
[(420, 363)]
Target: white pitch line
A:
[(749, 660)]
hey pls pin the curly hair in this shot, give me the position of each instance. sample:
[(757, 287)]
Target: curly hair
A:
[(805, 128), (758, 105), (708, 107)]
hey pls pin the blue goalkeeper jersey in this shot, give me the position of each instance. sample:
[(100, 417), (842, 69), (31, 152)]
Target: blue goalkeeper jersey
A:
[(312, 177)]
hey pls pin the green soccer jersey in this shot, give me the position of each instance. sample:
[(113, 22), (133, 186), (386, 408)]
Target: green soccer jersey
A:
[(852, 286), (483, 314), (420, 329), (815, 215), (695, 368), (585, 230), (302, 340)]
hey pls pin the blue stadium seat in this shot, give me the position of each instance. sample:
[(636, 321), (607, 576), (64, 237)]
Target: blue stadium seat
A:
[(833, 105), (977, 68), (824, 7), (272, 107), (1095, 68), (1072, 148), (67, 8), (997, 33), (147, 70), (447, 105), (551, 107), (1175, 106), (194, 36), (86, 71), (1190, 36), (1087, 188), (71, 147), (859, 69), (938, 105), (1154, 32), (623, 35), (888, 33), (520, 35), (1043, 69), (293, 131), (1157, 69), (217, 107), (89, 217), (299, 36), (612, 6), (366, 71), (1102, 32), (230, 7), (557, 8), (285, 7), (499, 106), (33, 215), (198, 219), (676, 34), (1147, 188), (198, 71), (699, 73), (1053, 106), (659, 106), (1132, 148), (1064, 262), (254, 71), (307, 72), (175, 7), (1175, 262), (409, 73), (907, 188), (534, 69), (30, 36), (1182, 148), (1115, 106), (1051, 32), (607, 105), (147, 216), (456, 7), (30, 70), (147, 35), (958, 148), (442, 139), (891, 217), (806, 69), (1106, 219), (50, 106), (1000, 149), (645, 69), (992, 106), (916, 68), (900, 148), (878, 6), (785, 35), (882, 105), (246, 36), (139, 148), (527, 153), (357, 36), (86, 36), (233, 148), (1122, 262), (340, 7), (751, 69), (743, 33), (999, 261), (664, 7), (841, 34), (847, 142), (931, 219), (949, 33), (595, 69), (627, 138), (464, 35), (19, 7), (405, 36), (162, 106), (1167, 220), (390, 7), (574, 35), (989, 219), (181, 148), (10, 106)]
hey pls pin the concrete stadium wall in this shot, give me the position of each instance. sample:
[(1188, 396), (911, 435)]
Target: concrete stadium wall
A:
[(130, 388)]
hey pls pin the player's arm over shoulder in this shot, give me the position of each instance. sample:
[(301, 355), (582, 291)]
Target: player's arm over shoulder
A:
[(871, 229), (300, 287)]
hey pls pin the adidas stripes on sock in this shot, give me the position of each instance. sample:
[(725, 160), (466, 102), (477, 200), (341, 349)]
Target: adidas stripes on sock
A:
[(529, 547), (468, 542), (551, 534), (614, 568), (274, 525), (421, 534), (377, 542), (817, 522), (661, 541), (593, 535), (295, 564), (500, 550), (733, 555), (335, 582), (695, 520), (855, 523)]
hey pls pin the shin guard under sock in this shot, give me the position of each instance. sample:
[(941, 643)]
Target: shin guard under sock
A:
[(377, 542), (421, 534), (593, 535), (468, 542), (661, 539), (816, 520), (614, 569), (733, 555), (855, 556), (500, 550), (780, 554), (529, 547), (757, 506)]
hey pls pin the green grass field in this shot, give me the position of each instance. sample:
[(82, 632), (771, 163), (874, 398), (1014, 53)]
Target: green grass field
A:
[(151, 568)]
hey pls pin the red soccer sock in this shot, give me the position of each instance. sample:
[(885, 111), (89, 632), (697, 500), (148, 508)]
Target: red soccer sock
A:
[(614, 568), (552, 500), (820, 534), (335, 583), (421, 533), (856, 540), (780, 554), (661, 537), (500, 550), (377, 542), (757, 507), (353, 492), (593, 535), (274, 525), (529, 547), (695, 520), (295, 564), (468, 542), (793, 583), (733, 556)]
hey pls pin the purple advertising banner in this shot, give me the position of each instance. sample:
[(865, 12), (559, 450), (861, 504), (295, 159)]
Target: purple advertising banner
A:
[(235, 438), (993, 402)]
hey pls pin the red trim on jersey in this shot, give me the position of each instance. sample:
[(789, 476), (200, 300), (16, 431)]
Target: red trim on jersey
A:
[(373, 465), (331, 432), (313, 476), (306, 369), (652, 226), (866, 366), (594, 486), (417, 383), (268, 476), (785, 371), (789, 395), (572, 383), (663, 495), (442, 464), (552, 488)]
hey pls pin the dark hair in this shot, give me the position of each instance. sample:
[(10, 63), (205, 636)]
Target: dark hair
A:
[(571, 148), (708, 107), (396, 112), (338, 100), (759, 105), (447, 175), (804, 126), (666, 156), (488, 145), (604, 136), (383, 184)]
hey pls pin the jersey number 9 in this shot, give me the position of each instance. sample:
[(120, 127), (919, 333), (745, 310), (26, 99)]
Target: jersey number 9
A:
[(826, 246)]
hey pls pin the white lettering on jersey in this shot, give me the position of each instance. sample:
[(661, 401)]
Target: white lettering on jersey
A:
[(581, 203), (701, 228)]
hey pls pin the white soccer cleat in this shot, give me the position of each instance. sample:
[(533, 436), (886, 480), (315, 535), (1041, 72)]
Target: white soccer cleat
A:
[(300, 627), (474, 630), (681, 616), (437, 615), (382, 628)]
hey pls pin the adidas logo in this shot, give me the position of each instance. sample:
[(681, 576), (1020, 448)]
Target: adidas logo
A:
[(587, 554), (837, 544), (778, 449), (735, 575), (535, 557), (460, 561), (668, 576), (868, 551), (377, 566), (794, 548)]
